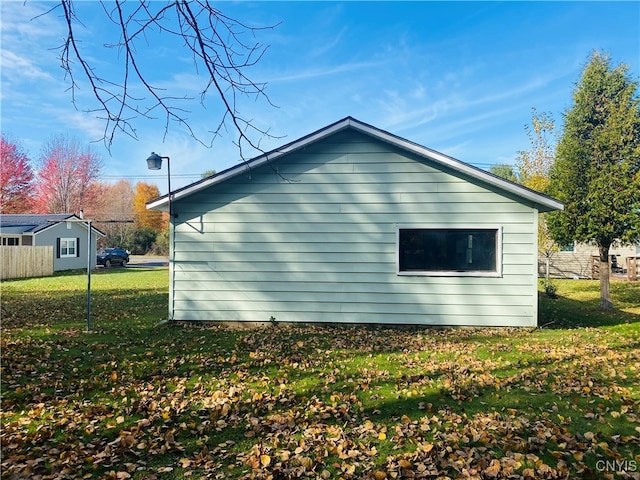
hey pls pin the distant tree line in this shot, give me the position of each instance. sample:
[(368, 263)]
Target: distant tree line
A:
[(66, 179)]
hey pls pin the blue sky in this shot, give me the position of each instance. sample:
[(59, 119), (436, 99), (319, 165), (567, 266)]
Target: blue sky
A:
[(457, 77)]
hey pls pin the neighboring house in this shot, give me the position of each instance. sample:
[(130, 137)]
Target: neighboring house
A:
[(352, 224), (580, 260), (66, 233)]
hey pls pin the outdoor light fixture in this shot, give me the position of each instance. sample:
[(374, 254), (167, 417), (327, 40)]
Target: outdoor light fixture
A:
[(154, 162)]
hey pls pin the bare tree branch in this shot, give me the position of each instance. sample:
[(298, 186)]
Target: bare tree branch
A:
[(220, 52)]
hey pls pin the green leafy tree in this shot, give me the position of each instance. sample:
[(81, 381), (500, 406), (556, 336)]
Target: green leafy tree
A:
[(597, 168), (161, 246), (142, 240), (505, 171)]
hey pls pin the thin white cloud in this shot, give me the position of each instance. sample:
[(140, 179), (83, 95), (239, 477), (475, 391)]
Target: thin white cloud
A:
[(318, 72), (86, 123), (24, 34), (32, 20), (418, 92), (19, 68), (328, 46), (497, 94)]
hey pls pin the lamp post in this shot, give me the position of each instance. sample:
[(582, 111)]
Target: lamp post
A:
[(154, 162), (89, 251)]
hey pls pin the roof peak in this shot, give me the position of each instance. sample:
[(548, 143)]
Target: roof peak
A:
[(541, 201)]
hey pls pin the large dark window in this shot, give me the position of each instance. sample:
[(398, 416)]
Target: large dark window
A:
[(448, 250)]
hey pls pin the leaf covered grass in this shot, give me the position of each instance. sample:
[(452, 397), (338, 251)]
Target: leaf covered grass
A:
[(138, 399)]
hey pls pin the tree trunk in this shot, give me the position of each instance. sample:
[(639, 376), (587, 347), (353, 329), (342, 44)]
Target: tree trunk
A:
[(605, 272)]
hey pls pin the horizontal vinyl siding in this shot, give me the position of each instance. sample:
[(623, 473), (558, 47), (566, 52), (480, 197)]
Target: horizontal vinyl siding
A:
[(76, 231), (313, 239)]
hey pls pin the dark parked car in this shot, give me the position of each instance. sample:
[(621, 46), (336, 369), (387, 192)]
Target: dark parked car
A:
[(113, 256)]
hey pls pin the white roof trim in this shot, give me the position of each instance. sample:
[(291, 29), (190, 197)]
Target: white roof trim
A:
[(74, 219), (542, 202)]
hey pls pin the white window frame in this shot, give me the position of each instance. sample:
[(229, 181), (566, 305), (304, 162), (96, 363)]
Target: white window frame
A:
[(64, 247), (452, 273)]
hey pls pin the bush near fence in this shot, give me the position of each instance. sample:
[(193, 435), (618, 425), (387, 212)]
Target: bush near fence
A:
[(24, 262)]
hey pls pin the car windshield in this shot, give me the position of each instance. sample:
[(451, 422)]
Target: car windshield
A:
[(107, 250)]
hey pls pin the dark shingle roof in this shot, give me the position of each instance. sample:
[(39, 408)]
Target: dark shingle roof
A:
[(29, 223)]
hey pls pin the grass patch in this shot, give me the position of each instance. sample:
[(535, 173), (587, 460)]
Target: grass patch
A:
[(578, 300), (135, 399)]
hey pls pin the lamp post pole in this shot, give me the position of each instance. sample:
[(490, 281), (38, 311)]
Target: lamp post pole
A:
[(154, 162), (89, 258), (90, 255)]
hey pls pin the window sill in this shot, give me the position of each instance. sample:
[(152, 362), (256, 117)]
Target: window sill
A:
[(450, 274)]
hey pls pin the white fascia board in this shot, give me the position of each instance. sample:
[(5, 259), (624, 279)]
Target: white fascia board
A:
[(159, 203)]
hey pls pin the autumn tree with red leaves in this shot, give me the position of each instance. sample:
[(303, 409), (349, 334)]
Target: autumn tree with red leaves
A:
[(66, 175), (16, 178)]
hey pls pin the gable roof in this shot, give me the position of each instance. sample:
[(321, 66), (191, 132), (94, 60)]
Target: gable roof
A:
[(19, 224), (525, 195)]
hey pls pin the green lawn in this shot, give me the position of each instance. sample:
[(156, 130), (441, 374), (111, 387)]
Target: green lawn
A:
[(144, 400)]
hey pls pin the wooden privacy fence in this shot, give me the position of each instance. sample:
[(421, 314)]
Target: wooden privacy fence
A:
[(23, 262), (633, 268)]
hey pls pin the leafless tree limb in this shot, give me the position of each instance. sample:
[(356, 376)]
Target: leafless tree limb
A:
[(220, 53)]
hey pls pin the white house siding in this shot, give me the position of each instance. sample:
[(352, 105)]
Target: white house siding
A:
[(312, 238), (75, 230)]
